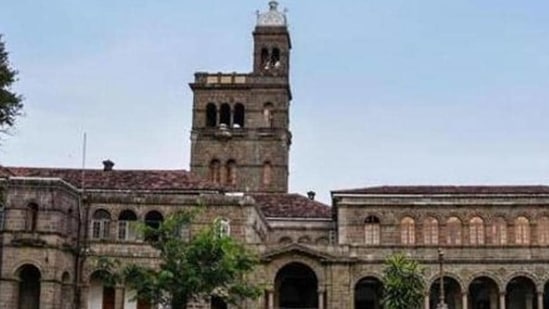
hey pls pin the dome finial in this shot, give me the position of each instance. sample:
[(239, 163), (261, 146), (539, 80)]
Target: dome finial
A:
[(273, 17)]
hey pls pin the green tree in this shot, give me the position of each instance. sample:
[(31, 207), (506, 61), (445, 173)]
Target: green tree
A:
[(403, 283), (208, 264), (10, 102)]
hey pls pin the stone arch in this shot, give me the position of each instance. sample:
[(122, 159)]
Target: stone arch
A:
[(517, 274), (296, 286), (313, 264), (35, 263), (366, 274), (367, 292), (66, 290), (285, 240), (29, 286), (450, 275), (521, 292), (304, 239), (496, 279), (453, 291), (99, 295), (484, 292), (323, 240)]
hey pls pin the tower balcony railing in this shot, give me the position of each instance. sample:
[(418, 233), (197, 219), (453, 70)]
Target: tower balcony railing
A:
[(220, 78)]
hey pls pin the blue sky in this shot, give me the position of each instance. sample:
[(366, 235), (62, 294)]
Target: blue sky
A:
[(385, 92)]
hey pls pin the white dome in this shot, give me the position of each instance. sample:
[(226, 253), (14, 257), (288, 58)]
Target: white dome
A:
[(271, 18)]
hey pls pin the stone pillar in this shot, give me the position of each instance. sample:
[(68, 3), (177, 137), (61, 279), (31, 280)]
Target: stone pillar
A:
[(464, 301), (118, 297), (270, 299), (502, 300), (540, 300), (321, 299), (426, 301), (84, 295)]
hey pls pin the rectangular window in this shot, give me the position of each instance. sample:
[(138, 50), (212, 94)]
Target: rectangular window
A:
[(123, 230), (100, 229)]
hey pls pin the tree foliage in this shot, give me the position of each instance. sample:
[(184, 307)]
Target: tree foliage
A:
[(10, 102), (403, 283), (208, 264)]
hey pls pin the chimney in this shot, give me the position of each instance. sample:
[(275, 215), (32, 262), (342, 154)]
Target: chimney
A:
[(311, 195), (108, 165)]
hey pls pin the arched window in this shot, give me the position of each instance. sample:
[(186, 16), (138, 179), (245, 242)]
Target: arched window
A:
[(522, 231), (265, 59), (239, 115), (430, 231), (267, 173), (285, 240), (268, 114), (153, 219), (224, 227), (211, 115), (476, 231), (100, 224), (215, 171), (275, 58), (499, 231), (543, 231), (407, 231), (230, 168), (453, 231), (32, 217), (225, 114), (126, 221), (372, 230)]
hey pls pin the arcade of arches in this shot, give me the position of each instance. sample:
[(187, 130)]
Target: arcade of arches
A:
[(296, 287)]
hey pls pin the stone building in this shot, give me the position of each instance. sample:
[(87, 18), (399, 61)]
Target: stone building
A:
[(54, 221)]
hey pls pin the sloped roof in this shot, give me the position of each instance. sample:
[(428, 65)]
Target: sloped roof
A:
[(290, 205), (156, 180), (538, 189)]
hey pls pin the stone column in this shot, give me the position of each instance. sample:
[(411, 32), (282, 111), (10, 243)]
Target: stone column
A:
[(119, 297), (270, 299), (426, 301), (84, 295), (321, 299), (464, 300), (540, 300), (502, 300)]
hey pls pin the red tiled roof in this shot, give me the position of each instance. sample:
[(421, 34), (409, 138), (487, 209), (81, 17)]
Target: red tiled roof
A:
[(448, 190), (161, 180), (283, 205)]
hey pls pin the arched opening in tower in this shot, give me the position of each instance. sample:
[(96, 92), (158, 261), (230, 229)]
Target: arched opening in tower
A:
[(29, 287), (239, 115)]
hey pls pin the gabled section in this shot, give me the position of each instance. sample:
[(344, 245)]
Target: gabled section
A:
[(299, 250)]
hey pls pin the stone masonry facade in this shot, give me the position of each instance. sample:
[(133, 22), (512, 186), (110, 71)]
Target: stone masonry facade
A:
[(493, 241)]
